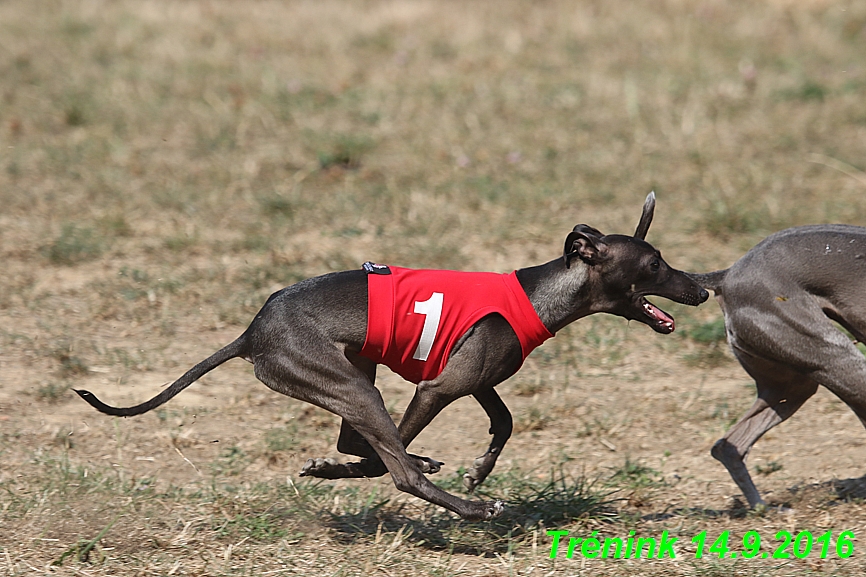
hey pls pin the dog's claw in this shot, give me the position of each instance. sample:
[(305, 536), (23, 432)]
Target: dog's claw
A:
[(305, 470), (469, 481)]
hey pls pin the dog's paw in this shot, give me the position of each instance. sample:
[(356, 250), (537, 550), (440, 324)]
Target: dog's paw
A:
[(319, 468), (495, 510), (427, 465), (469, 481), (484, 511), (330, 469), (476, 474)]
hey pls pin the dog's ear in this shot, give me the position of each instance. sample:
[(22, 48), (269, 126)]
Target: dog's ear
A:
[(584, 242), (646, 216)]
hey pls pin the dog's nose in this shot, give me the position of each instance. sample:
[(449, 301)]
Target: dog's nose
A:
[(704, 295)]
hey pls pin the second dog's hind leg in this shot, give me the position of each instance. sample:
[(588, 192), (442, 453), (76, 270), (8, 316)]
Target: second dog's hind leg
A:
[(845, 376), (780, 393)]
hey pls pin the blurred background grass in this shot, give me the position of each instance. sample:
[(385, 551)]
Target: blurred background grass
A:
[(164, 166), (169, 150), (421, 129)]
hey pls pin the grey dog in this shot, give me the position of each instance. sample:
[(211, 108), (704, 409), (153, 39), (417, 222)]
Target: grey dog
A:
[(305, 343), (778, 301)]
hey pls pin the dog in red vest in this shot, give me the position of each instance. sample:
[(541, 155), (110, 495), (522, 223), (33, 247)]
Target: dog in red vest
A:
[(452, 333)]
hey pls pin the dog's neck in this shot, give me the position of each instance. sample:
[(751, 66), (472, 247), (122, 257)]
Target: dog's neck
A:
[(558, 294)]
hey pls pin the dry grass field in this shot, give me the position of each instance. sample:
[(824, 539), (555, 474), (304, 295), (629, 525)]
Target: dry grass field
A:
[(166, 165)]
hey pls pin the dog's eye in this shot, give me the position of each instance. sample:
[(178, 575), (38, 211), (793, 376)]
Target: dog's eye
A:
[(655, 265)]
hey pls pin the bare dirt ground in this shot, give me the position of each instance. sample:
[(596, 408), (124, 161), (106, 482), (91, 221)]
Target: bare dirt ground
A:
[(165, 166)]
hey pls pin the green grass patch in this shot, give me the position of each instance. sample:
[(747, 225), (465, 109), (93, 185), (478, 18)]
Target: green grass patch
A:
[(768, 469), (636, 481), (52, 392), (809, 90), (712, 340), (344, 151), (281, 439), (710, 332), (257, 526), (75, 244)]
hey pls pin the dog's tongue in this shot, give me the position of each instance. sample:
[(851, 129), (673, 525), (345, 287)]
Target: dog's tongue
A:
[(660, 315)]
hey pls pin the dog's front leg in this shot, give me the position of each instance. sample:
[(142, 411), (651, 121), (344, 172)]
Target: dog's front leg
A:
[(488, 354), (500, 427)]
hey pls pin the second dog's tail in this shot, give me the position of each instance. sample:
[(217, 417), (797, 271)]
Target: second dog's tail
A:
[(230, 351), (709, 280)]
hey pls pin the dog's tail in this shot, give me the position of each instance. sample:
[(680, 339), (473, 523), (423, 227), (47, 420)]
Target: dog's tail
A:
[(230, 351), (709, 280)]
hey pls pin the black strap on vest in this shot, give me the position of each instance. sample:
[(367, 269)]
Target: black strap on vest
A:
[(373, 268)]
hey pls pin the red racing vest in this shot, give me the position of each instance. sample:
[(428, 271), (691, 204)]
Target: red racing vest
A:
[(415, 317)]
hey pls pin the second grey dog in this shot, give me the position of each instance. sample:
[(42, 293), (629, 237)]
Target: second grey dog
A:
[(778, 301), (305, 343)]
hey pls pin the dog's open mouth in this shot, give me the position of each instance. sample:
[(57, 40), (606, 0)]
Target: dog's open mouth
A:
[(659, 320)]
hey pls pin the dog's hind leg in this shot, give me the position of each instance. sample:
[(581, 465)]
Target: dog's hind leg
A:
[(844, 374), (788, 353), (351, 442), (341, 388), (779, 397)]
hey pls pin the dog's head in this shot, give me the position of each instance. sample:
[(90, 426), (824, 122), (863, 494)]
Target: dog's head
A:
[(623, 270)]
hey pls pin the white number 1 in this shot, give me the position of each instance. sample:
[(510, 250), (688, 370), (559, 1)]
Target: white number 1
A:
[(432, 311)]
